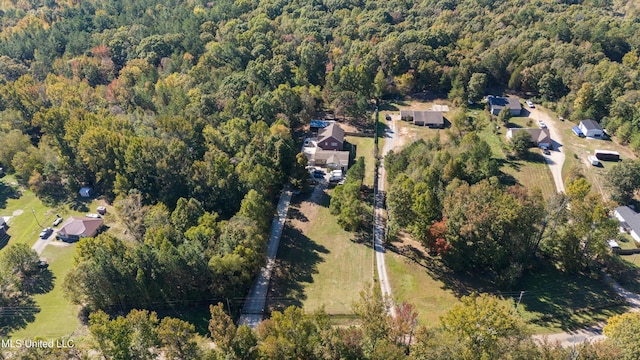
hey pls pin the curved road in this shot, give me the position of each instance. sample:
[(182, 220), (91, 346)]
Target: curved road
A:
[(555, 161), (379, 223)]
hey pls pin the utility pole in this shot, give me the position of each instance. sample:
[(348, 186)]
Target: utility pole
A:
[(519, 299), (33, 211)]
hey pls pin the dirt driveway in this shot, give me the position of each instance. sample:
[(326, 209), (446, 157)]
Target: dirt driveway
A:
[(556, 158)]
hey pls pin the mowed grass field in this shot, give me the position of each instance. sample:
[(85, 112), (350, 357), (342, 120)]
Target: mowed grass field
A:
[(532, 172), (364, 148), (56, 317), (319, 264), (412, 283)]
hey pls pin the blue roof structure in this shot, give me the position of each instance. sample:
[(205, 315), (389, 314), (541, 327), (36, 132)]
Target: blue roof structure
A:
[(320, 123), (577, 131)]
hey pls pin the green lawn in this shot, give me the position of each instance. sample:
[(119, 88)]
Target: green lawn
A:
[(57, 317), (412, 283), (554, 301), (533, 172), (364, 147), (319, 264)]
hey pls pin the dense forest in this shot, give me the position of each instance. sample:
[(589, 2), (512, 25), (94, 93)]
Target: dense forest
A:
[(182, 114)]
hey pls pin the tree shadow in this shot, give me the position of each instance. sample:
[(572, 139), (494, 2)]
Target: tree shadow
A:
[(297, 262), (8, 192), (535, 157), (79, 204), (567, 301), (16, 315), (386, 106), (40, 283), (296, 214), (459, 283)]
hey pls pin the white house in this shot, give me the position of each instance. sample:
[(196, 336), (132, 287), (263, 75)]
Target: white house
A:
[(590, 128), (629, 221)]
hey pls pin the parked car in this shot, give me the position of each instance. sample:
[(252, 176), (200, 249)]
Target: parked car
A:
[(561, 118), (387, 117), (542, 124), (95, 216), (42, 264), (530, 104), (546, 151), (46, 232), (57, 221)]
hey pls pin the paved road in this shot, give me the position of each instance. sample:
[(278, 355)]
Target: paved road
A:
[(42, 243), (556, 159), (252, 311), (379, 229)]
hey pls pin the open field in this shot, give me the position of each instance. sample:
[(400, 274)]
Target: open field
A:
[(554, 301), (412, 283), (551, 300), (57, 317), (319, 264), (532, 172), (28, 216), (364, 148)]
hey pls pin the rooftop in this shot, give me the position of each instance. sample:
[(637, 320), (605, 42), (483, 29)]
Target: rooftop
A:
[(631, 218), (500, 102), (590, 124)]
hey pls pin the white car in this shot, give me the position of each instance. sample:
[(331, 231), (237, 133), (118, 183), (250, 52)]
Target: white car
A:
[(530, 104), (542, 124), (57, 221), (95, 216)]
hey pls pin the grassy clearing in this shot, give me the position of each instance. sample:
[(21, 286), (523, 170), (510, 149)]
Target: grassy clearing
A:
[(411, 282), (57, 317), (532, 172), (364, 147), (319, 264), (554, 301)]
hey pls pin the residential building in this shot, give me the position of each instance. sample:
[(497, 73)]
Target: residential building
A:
[(80, 227), (629, 221), (539, 137), (590, 128), (497, 103), (331, 137), (430, 118)]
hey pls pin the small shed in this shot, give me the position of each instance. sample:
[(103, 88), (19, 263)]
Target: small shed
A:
[(86, 192)]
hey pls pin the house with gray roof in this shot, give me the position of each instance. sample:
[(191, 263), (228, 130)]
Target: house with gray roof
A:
[(430, 118), (497, 103), (539, 137), (590, 128), (629, 221)]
